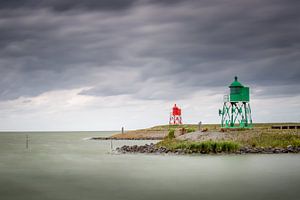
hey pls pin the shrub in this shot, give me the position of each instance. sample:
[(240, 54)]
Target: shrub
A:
[(189, 130), (171, 134)]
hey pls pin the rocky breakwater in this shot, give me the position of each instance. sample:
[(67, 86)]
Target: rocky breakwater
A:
[(147, 148), (153, 149), (269, 150)]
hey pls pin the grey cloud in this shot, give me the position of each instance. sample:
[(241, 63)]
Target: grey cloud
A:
[(172, 47), (69, 5), (65, 5)]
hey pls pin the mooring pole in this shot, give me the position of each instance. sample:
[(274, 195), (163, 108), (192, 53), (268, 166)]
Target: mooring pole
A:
[(111, 145), (199, 126), (27, 141)]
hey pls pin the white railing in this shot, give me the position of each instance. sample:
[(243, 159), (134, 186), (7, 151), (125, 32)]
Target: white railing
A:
[(226, 98)]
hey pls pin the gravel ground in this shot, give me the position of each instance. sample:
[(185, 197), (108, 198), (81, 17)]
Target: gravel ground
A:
[(204, 136)]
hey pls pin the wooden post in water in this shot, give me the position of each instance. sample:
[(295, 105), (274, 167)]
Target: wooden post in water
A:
[(27, 141), (111, 146)]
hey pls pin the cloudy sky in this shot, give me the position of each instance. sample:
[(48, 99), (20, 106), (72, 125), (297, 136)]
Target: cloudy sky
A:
[(103, 64)]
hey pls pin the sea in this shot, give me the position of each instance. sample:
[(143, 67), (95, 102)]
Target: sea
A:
[(71, 166)]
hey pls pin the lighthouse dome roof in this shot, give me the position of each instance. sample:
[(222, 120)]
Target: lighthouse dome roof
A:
[(236, 83)]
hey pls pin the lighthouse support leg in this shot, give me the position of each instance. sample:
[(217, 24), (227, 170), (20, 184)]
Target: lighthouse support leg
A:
[(236, 115)]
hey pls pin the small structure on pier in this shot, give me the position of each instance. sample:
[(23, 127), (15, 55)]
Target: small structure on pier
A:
[(286, 126), (236, 111), (175, 115)]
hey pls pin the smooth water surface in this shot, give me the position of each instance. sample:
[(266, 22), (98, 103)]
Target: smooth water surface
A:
[(67, 165)]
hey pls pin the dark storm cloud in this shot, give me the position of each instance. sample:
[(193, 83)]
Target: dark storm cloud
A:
[(149, 49), (65, 5)]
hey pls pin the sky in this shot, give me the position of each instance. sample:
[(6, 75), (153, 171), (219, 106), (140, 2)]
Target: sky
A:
[(100, 65)]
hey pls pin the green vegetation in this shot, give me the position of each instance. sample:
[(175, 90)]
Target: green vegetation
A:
[(190, 129), (200, 147), (271, 138), (171, 134)]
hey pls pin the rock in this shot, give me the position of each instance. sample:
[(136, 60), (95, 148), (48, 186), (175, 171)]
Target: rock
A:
[(285, 151), (276, 150), (290, 148)]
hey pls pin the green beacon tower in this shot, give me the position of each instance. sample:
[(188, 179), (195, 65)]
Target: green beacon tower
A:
[(236, 111)]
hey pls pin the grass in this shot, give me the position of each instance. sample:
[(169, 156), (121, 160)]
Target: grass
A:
[(171, 134), (268, 138), (189, 130), (200, 147)]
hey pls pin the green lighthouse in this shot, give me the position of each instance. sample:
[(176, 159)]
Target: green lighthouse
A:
[(236, 111)]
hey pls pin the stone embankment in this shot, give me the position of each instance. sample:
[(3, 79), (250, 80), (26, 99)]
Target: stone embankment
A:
[(153, 149)]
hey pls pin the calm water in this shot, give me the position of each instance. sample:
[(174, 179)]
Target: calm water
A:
[(67, 166)]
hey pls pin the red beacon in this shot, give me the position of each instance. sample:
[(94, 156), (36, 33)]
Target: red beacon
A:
[(175, 115)]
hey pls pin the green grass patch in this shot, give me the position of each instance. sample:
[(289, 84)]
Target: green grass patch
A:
[(200, 147), (272, 139), (190, 129), (171, 134)]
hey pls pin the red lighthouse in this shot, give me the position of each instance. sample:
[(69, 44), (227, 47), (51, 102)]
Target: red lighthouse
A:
[(175, 115)]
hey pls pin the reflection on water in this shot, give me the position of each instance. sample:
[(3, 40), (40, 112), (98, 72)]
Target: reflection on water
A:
[(67, 166)]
